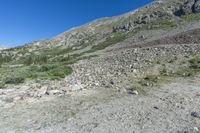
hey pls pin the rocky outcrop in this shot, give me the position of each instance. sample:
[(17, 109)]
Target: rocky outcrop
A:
[(143, 19), (197, 6), (189, 7), (132, 23)]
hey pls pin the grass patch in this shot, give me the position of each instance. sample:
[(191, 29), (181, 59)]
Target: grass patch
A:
[(184, 72), (191, 17), (14, 80), (118, 37), (37, 72), (2, 84), (162, 23), (50, 72), (195, 63), (49, 66), (190, 70), (35, 59), (152, 80), (4, 59), (59, 72)]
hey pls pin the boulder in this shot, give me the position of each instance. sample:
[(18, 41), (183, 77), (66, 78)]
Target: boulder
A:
[(143, 19), (41, 92), (77, 87), (187, 8), (197, 6), (195, 114), (133, 92), (54, 92)]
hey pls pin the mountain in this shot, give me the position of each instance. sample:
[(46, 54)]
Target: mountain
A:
[(146, 62), (163, 14)]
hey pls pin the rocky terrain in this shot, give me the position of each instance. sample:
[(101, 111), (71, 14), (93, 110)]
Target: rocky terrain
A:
[(138, 72), (172, 108)]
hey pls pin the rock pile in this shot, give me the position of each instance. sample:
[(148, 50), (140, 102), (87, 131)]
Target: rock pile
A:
[(104, 71)]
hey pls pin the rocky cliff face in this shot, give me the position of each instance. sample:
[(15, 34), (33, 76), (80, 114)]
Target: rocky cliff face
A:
[(188, 7)]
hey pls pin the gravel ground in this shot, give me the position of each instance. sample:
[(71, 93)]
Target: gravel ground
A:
[(170, 108)]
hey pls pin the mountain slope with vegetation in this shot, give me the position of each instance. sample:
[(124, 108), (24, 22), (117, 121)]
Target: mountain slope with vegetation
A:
[(74, 44)]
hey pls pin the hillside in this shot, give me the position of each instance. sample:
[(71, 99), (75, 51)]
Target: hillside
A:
[(139, 71)]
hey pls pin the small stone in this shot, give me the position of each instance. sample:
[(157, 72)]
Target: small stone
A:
[(9, 105), (54, 92), (41, 92), (77, 87), (112, 82), (135, 92), (24, 87), (2, 103), (196, 129), (195, 114), (182, 132), (17, 99), (8, 99), (155, 107), (198, 95)]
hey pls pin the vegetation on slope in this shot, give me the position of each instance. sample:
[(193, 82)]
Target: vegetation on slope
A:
[(175, 69), (40, 62)]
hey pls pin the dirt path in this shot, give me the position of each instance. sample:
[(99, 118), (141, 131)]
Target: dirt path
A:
[(172, 108)]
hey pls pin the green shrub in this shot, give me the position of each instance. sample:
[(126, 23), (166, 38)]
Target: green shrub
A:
[(14, 80), (195, 63), (163, 23), (49, 71), (191, 17), (44, 68), (109, 41), (35, 59), (184, 72), (32, 76), (151, 80), (59, 72), (2, 84), (190, 70), (66, 70), (4, 59)]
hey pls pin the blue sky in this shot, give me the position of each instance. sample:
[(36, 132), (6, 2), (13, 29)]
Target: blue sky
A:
[(23, 21)]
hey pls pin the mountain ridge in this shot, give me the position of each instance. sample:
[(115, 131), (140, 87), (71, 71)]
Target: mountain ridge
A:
[(77, 34)]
